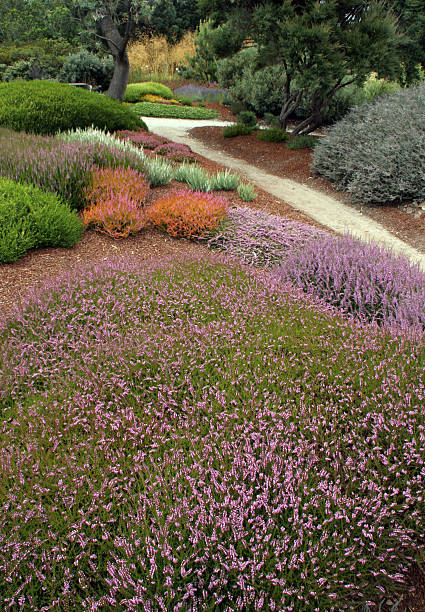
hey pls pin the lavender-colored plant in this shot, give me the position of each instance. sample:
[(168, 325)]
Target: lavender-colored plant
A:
[(363, 280), (259, 238), (196, 437)]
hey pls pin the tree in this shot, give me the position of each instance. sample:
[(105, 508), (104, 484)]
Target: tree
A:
[(319, 46), (114, 22), (173, 18)]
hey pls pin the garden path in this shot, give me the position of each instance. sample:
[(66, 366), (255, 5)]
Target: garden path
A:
[(319, 206)]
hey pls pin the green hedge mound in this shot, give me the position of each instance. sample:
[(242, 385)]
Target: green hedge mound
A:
[(151, 109), (47, 107), (136, 91), (30, 217)]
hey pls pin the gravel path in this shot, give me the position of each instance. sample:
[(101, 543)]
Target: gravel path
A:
[(324, 209)]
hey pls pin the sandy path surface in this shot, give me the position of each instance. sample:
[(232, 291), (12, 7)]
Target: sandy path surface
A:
[(323, 208)]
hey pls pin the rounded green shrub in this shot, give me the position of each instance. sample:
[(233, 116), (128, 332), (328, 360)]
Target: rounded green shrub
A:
[(136, 91), (47, 107), (30, 217), (273, 135), (237, 129), (247, 118)]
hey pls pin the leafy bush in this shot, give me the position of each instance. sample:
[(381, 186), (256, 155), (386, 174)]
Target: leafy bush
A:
[(86, 67), (46, 107), (188, 214), (186, 101), (376, 152), (272, 120), (150, 109), (195, 176), (116, 197), (247, 118), (359, 279), (136, 91), (260, 90), (224, 181), (246, 192), (197, 93), (273, 135), (30, 217), (301, 142), (237, 129)]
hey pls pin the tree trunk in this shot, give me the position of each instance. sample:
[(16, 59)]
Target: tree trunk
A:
[(288, 108), (120, 76), (118, 48), (315, 119)]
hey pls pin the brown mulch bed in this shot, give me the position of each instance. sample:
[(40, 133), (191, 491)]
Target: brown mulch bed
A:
[(276, 159)]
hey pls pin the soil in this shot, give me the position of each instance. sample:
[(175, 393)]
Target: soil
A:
[(276, 159)]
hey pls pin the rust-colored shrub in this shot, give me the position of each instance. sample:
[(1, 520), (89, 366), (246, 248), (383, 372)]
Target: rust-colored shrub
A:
[(116, 197), (188, 214)]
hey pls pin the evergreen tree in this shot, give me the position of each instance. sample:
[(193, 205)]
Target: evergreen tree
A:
[(319, 46)]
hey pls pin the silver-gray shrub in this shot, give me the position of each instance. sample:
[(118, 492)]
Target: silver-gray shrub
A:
[(377, 152)]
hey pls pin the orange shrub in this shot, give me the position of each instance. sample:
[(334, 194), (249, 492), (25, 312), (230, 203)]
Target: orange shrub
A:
[(188, 214), (115, 197)]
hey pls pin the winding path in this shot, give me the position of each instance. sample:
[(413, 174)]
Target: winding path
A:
[(323, 208)]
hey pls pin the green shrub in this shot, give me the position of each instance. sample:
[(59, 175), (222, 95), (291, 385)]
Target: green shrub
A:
[(246, 192), (136, 91), (237, 107), (237, 129), (301, 142), (247, 118), (186, 101), (30, 217), (273, 135), (272, 120), (376, 152), (152, 109), (86, 67), (46, 107)]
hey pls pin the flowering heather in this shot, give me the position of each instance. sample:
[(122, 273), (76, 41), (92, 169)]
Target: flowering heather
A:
[(360, 279), (259, 238), (194, 438), (116, 197), (175, 152), (52, 165), (141, 139), (188, 214)]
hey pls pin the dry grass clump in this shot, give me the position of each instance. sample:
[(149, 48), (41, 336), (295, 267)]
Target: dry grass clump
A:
[(155, 56)]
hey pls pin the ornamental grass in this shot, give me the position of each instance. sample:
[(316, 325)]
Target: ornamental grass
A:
[(188, 214), (116, 197), (198, 437)]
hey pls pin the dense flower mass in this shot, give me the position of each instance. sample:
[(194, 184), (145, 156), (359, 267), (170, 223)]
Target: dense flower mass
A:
[(141, 138), (188, 214), (116, 197), (194, 437)]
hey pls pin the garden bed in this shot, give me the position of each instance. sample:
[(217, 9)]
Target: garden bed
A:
[(276, 159)]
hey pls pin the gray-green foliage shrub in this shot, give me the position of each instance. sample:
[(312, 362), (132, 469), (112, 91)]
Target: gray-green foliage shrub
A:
[(376, 152), (30, 217), (237, 129), (261, 90), (86, 67), (273, 135)]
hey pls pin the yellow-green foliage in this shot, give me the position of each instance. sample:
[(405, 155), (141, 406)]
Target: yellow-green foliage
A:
[(136, 91)]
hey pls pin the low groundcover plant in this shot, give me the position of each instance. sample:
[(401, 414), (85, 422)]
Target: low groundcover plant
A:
[(198, 437)]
